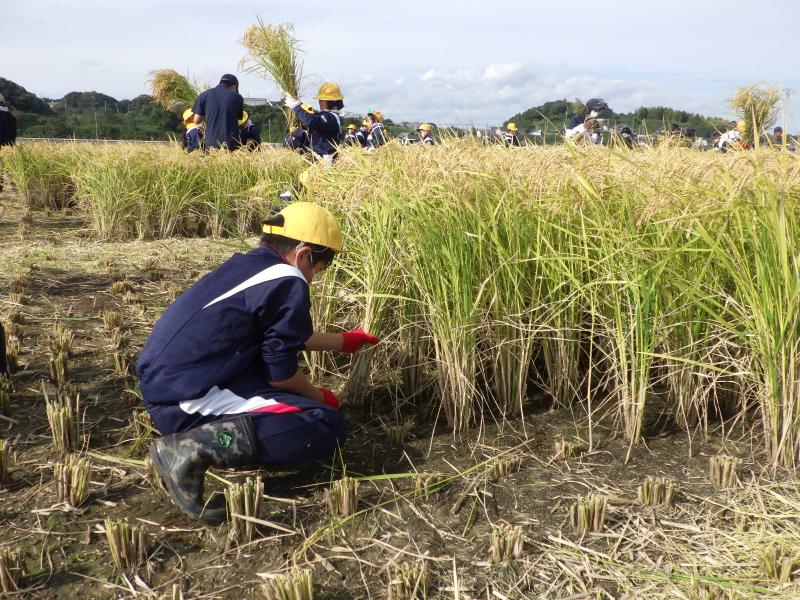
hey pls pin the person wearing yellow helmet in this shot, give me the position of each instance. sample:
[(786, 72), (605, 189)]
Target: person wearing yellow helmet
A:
[(324, 127), (220, 373), (249, 132), (350, 137), (362, 133), (192, 138), (377, 132), (424, 131), (510, 138)]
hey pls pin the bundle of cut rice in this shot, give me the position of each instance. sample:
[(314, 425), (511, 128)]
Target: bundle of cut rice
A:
[(757, 109)]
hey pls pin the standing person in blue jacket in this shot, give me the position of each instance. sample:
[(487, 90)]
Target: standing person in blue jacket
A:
[(377, 133), (219, 373), (323, 127), (221, 107)]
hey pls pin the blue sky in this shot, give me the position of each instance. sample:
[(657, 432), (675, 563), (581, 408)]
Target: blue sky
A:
[(449, 62)]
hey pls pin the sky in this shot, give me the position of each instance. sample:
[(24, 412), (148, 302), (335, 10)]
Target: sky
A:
[(462, 62)]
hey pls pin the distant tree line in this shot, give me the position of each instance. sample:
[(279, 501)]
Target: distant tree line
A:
[(92, 114)]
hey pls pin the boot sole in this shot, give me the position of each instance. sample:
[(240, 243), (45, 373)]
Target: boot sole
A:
[(212, 517)]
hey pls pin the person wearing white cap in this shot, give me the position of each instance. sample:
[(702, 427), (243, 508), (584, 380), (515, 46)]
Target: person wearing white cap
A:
[(8, 124)]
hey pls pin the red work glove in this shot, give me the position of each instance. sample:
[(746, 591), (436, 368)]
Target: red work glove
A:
[(353, 340), (329, 398)]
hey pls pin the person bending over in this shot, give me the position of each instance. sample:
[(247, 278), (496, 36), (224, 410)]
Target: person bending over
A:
[(219, 373)]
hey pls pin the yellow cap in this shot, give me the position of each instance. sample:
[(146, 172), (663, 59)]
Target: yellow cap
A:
[(308, 108), (309, 222), (424, 127), (244, 118), (512, 127), (378, 115), (351, 126), (364, 123), (329, 91), (187, 116)]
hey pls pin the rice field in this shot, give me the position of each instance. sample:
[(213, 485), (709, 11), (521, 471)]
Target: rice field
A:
[(589, 384)]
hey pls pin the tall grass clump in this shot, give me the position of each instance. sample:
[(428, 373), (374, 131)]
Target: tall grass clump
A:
[(41, 172), (273, 52), (759, 250), (173, 91), (757, 107)]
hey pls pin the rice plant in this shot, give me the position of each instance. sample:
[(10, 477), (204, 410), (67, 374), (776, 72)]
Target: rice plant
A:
[(12, 570), (725, 471), (61, 340), (173, 91), (123, 363), (757, 107), (6, 460), (5, 394), (71, 477), (398, 434), (127, 544), (273, 52), (141, 423), (342, 497), (656, 491), (120, 340), (426, 484), (408, 581), (588, 514), (779, 564), (565, 449), (62, 415), (59, 368), (152, 476), (296, 584), (244, 500), (12, 355), (505, 466), (112, 319), (506, 543)]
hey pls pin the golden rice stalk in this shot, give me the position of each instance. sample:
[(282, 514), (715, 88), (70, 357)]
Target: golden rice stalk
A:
[(274, 52), (758, 107), (141, 423), (342, 497), (506, 543), (11, 571), (244, 500), (152, 476), (16, 298), (12, 355), (564, 449), (120, 339), (398, 434), (71, 477), (127, 543), (505, 466), (59, 368), (112, 319), (5, 394), (296, 584), (6, 459), (427, 484), (656, 491), (62, 415), (779, 564), (725, 471), (172, 90), (409, 581), (588, 515), (61, 340)]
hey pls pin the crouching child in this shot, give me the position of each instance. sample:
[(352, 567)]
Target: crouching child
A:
[(219, 373)]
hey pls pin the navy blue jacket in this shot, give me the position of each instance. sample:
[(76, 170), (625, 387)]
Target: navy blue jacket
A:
[(192, 139), (324, 128), (251, 315), (377, 135), (576, 120), (222, 108)]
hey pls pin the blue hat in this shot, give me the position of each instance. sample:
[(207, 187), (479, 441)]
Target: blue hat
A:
[(229, 79), (779, 129)]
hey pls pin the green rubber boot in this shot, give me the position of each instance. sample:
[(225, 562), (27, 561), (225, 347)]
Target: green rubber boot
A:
[(183, 458)]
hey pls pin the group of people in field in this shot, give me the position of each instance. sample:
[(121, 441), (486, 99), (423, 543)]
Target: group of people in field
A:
[(218, 120)]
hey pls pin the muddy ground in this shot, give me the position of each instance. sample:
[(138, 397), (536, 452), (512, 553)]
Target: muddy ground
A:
[(70, 277)]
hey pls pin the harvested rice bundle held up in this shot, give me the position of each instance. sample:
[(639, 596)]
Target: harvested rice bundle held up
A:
[(757, 107), (172, 90), (274, 52)]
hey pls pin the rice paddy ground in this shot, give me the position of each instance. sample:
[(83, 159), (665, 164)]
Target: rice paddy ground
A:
[(710, 544)]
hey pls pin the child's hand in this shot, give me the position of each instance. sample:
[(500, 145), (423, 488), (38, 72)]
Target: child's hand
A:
[(353, 340), (329, 398)]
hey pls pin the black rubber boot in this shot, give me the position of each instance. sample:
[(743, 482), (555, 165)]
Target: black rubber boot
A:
[(183, 458)]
